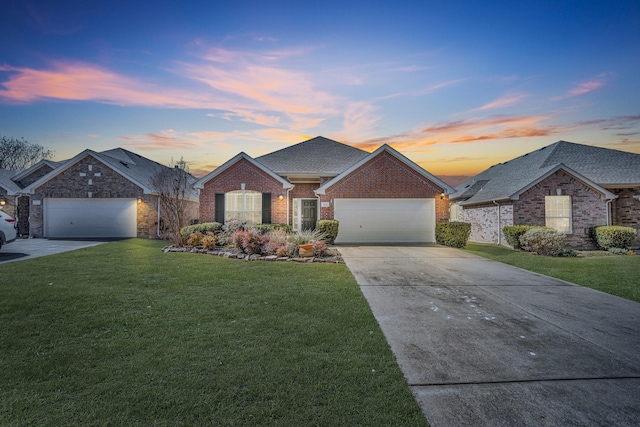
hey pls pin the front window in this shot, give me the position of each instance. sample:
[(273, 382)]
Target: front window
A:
[(557, 212), (454, 212), (244, 205)]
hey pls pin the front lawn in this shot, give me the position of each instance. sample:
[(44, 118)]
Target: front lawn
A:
[(123, 334), (617, 275)]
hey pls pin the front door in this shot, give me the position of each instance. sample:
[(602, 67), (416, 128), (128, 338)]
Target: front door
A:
[(309, 214)]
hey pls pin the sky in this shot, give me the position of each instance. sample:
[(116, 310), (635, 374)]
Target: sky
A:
[(456, 86)]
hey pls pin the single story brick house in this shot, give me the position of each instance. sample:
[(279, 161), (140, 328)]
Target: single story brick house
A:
[(377, 197), (567, 186), (93, 195)]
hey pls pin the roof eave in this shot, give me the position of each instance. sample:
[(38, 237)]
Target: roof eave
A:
[(560, 166), (445, 187), (199, 185)]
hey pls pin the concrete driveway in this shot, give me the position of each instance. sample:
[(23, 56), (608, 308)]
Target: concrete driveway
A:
[(484, 344), (22, 249)]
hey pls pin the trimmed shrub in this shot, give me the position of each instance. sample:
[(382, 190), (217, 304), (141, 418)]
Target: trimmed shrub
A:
[(454, 234), (265, 228), (542, 241), (329, 227), (513, 233), (204, 228), (614, 236), (619, 251)]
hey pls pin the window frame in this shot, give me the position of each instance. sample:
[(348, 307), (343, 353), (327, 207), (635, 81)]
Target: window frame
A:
[(553, 211)]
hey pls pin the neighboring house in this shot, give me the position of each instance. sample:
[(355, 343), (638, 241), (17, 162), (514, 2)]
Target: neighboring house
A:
[(377, 197), (569, 187), (18, 199), (96, 195)]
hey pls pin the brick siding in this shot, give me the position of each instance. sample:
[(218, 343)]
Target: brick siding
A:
[(485, 227), (106, 183), (626, 209), (254, 179), (587, 206), (385, 177)]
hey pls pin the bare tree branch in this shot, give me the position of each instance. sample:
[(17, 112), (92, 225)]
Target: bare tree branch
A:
[(174, 186), (19, 154)]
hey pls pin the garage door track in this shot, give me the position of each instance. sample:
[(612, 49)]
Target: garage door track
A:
[(485, 344)]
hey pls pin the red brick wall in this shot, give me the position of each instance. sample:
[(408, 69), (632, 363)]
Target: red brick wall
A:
[(588, 208), (626, 209), (385, 177), (106, 183), (255, 179)]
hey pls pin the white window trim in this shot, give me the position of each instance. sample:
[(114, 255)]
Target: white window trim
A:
[(569, 216), (244, 209)]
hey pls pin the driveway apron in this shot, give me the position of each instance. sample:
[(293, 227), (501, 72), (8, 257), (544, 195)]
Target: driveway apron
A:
[(482, 343)]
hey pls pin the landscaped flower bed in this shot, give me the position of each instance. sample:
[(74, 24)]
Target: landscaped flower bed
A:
[(270, 242), (331, 255)]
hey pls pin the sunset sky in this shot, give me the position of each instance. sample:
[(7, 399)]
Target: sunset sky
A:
[(456, 86)]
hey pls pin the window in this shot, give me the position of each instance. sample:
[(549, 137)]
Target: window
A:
[(557, 212), (454, 212), (245, 205)]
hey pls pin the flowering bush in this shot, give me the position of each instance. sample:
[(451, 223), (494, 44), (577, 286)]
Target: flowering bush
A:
[(319, 247), (542, 241), (282, 251)]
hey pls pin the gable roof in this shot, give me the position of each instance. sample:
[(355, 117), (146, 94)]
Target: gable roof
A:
[(132, 166), (596, 167), (318, 156), (7, 182), (217, 171), (385, 149), (33, 168)]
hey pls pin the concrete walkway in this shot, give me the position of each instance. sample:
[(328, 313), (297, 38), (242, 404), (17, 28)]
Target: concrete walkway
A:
[(22, 249), (485, 344)]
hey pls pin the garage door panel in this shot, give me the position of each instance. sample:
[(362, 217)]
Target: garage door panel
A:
[(385, 220), (90, 218)]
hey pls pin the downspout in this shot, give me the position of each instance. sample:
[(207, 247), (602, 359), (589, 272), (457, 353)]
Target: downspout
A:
[(499, 223), (288, 191), (319, 209), (158, 222)]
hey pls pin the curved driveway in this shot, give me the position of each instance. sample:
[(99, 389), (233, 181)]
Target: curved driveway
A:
[(482, 343)]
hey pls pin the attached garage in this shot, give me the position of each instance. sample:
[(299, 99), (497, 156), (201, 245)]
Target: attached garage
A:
[(385, 220), (90, 218)]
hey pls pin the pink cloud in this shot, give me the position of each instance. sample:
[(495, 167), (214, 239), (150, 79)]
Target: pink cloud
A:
[(585, 87), (77, 81), (502, 102)]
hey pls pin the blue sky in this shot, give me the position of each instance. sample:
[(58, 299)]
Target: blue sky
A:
[(455, 86)]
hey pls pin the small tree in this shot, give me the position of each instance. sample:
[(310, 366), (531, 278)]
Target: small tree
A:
[(19, 154), (174, 185)]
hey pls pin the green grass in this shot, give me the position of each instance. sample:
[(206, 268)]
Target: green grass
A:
[(123, 334), (617, 275)]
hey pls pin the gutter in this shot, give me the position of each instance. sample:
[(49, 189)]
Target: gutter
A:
[(499, 223)]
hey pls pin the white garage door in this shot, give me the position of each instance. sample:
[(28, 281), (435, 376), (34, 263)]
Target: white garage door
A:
[(385, 220), (90, 218)]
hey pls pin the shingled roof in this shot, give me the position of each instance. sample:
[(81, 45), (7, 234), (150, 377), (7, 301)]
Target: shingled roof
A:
[(601, 166), (134, 167), (317, 156)]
